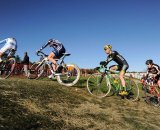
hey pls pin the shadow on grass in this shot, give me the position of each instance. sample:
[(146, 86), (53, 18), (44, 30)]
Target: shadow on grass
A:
[(16, 117)]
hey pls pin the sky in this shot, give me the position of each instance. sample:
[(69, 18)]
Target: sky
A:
[(132, 27)]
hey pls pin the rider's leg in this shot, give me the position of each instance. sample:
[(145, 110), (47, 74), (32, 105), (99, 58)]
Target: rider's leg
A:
[(123, 83), (51, 59), (158, 83), (113, 68), (121, 76)]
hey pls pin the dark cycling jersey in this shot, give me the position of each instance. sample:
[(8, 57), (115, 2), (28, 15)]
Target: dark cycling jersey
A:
[(53, 43), (58, 48), (155, 69), (115, 56)]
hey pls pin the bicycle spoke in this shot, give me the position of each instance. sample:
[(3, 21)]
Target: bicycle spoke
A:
[(36, 71), (7, 68), (97, 88), (132, 89), (69, 75), (151, 95)]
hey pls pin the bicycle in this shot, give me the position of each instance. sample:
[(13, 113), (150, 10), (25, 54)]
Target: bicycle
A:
[(104, 82), (151, 91), (68, 74), (7, 65)]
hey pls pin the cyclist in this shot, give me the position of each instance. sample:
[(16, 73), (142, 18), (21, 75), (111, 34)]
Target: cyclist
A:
[(122, 65), (57, 52), (153, 70), (9, 48)]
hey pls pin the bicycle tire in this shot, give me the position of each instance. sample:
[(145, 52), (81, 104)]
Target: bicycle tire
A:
[(97, 89), (69, 75), (133, 90), (150, 98), (7, 68), (36, 71)]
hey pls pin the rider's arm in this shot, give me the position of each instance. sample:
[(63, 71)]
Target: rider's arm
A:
[(109, 59), (158, 68), (44, 46), (106, 62), (146, 76), (3, 41)]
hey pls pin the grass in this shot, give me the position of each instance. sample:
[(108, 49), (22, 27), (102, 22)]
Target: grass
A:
[(46, 105)]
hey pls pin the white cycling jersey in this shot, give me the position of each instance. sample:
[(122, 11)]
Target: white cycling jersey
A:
[(10, 43)]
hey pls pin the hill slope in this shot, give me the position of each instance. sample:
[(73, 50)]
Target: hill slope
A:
[(45, 105)]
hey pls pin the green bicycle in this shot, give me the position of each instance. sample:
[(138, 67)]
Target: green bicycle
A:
[(106, 83)]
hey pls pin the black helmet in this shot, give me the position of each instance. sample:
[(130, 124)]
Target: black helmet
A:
[(50, 40), (149, 62)]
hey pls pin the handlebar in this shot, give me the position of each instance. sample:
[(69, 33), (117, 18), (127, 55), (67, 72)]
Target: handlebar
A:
[(103, 69), (40, 53), (100, 67)]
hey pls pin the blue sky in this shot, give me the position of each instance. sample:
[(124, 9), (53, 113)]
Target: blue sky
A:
[(132, 27)]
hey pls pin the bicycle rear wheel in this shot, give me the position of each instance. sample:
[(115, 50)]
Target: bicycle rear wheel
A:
[(36, 71), (7, 68), (151, 96), (133, 90), (69, 75), (98, 85)]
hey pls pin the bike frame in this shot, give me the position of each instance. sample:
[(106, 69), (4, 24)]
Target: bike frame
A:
[(46, 62), (151, 87), (108, 74)]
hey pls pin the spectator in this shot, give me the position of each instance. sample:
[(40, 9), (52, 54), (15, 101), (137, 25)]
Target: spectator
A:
[(25, 63)]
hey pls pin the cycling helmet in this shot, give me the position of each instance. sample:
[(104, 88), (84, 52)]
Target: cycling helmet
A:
[(149, 62), (107, 46), (50, 40), (11, 40)]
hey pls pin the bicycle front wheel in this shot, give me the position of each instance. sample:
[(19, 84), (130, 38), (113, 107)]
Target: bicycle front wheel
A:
[(36, 71), (133, 90), (98, 85), (69, 75), (7, 68)]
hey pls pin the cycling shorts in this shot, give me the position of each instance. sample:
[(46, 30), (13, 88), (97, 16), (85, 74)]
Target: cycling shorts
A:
[(121, 67)]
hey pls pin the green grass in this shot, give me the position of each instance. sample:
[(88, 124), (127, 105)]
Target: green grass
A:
[(46, 105)]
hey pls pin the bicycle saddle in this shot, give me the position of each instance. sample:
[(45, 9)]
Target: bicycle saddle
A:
[(66, 54)]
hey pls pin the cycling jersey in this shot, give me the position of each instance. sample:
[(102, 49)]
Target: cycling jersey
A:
[(58, 48), (155, 69), (10, 44), (115, 56)]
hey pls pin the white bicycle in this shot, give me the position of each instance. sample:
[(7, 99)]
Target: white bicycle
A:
[(68, 74)]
